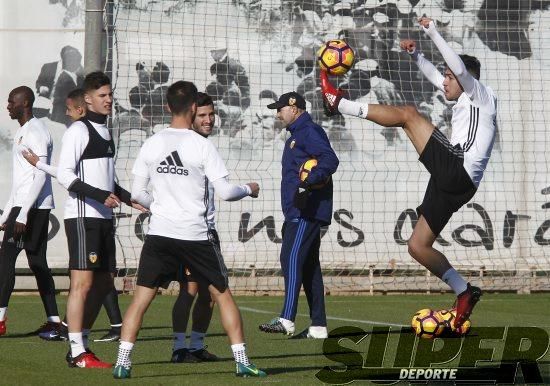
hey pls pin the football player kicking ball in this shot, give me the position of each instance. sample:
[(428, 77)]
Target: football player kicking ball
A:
[(179, 163), (456, 166)]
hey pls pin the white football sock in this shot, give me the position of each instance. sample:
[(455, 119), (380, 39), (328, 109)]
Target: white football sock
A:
[(3, 313), (77, 345), (197, 340), (355, 109), (239, 353), (318, 332), (54, 319), (124, 352), (455, 281), (179, 341)]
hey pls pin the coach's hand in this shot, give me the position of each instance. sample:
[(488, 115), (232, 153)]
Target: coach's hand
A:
[(3, 227), (19, 229), (301, 196), (112, 201), (255, 189)]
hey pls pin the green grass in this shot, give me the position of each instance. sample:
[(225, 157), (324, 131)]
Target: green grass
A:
[(28, 360)]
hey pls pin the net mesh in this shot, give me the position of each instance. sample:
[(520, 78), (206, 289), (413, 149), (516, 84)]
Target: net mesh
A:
[(246, 53)]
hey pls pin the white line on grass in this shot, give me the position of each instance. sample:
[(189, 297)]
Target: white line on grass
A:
[(329, 317)]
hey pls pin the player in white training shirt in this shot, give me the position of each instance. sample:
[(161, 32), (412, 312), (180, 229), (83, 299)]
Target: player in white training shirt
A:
[(26, 214), (86, 170), (76, 110), (178, 163), (456, 166), (190, 287)]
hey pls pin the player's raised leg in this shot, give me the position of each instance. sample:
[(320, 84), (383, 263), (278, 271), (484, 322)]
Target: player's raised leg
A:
[(417, 128)]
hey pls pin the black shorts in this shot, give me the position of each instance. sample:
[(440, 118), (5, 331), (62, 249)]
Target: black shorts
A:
[(36, 230), (450, 186), (184, 273), (162, 257), (91, 244)]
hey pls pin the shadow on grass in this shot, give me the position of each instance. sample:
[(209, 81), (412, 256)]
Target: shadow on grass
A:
[(269, 371), (230, 359)]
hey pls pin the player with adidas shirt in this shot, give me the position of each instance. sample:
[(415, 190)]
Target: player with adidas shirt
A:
[(178, 164), (456, 166), (25, 218), (86, 170), (189, 287)]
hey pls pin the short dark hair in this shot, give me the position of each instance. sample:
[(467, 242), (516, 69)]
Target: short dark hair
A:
[(26, 92), (472, 64), (204, 100), (95, 80), (77, 95), (181, 96)]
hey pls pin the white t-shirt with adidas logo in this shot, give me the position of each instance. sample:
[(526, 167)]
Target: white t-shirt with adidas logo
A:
[(179, 164)]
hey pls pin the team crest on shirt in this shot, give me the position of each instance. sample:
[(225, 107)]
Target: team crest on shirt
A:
[(292, 143), (92, 257)]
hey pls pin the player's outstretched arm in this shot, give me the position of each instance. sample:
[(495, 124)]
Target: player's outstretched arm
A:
[(229, 192), (455, 64), (424, 65), (35, 161)]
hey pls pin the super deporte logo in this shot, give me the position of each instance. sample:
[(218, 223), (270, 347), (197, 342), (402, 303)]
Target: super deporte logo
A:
[(173, 165)]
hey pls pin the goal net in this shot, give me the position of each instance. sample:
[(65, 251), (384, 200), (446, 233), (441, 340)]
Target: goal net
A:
[(245, 53)]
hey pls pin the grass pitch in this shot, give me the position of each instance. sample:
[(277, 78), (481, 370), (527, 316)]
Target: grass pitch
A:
[(27, 359)]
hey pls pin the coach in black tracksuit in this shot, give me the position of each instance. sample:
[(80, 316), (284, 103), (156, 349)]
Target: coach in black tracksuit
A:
[(306, 210)]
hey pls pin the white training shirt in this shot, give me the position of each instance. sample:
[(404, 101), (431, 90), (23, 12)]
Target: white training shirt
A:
[(211, 222), (181, 166), (474, 114), (35, 136), (98, 172)]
